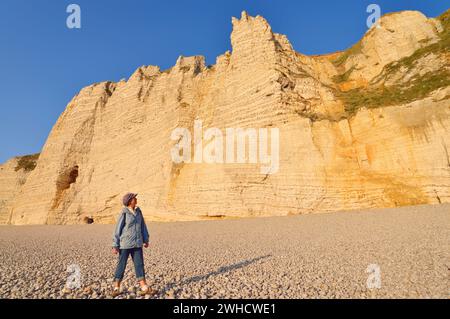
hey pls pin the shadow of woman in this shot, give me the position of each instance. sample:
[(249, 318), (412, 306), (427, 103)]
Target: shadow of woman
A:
[(219, 271)]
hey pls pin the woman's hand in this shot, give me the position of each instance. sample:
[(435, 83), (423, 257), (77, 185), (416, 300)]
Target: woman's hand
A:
[(115, 250), (145, 245)]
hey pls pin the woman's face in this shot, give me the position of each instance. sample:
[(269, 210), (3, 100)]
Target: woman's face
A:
[(133, 202)]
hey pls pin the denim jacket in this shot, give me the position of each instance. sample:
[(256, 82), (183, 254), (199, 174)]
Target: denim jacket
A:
[(130, 231)]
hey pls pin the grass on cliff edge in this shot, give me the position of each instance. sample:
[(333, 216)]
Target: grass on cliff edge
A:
[(356, 48), (418, 88), (27, 162), (440, 47)]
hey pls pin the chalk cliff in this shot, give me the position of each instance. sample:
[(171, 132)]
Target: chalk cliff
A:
[(367, 127)]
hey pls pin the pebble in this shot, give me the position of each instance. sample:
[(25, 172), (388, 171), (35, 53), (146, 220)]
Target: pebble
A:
[(307, 256)]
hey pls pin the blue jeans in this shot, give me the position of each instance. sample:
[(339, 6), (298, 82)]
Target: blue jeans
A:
[(138, 260)]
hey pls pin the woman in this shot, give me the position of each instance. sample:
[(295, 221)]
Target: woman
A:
[(129, 236)]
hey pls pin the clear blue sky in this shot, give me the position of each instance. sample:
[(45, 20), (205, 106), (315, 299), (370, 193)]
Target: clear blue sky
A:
[(43, 64)]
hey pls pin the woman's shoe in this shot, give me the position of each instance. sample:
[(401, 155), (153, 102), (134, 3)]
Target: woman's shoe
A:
[(146, 291), (116, 292)]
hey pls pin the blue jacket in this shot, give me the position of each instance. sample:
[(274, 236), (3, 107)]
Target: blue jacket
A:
[(130, 231)]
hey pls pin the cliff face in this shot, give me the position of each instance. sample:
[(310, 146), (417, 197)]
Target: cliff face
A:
[(368, 127), (13, 174)]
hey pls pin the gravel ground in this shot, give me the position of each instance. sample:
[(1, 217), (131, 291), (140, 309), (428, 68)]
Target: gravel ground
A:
[(307, 256)]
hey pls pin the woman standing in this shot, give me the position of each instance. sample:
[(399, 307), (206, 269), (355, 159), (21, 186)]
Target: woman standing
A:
[(129, 237)]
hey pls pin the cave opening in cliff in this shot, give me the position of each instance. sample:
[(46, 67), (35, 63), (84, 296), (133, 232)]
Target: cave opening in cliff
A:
[(65, 179), (88, 220)]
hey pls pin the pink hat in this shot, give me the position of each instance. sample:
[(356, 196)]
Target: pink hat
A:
[(128, 196)]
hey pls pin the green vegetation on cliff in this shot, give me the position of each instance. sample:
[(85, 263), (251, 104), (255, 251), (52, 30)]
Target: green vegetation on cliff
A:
[(377, 94), (418, 88), (27, 162)]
